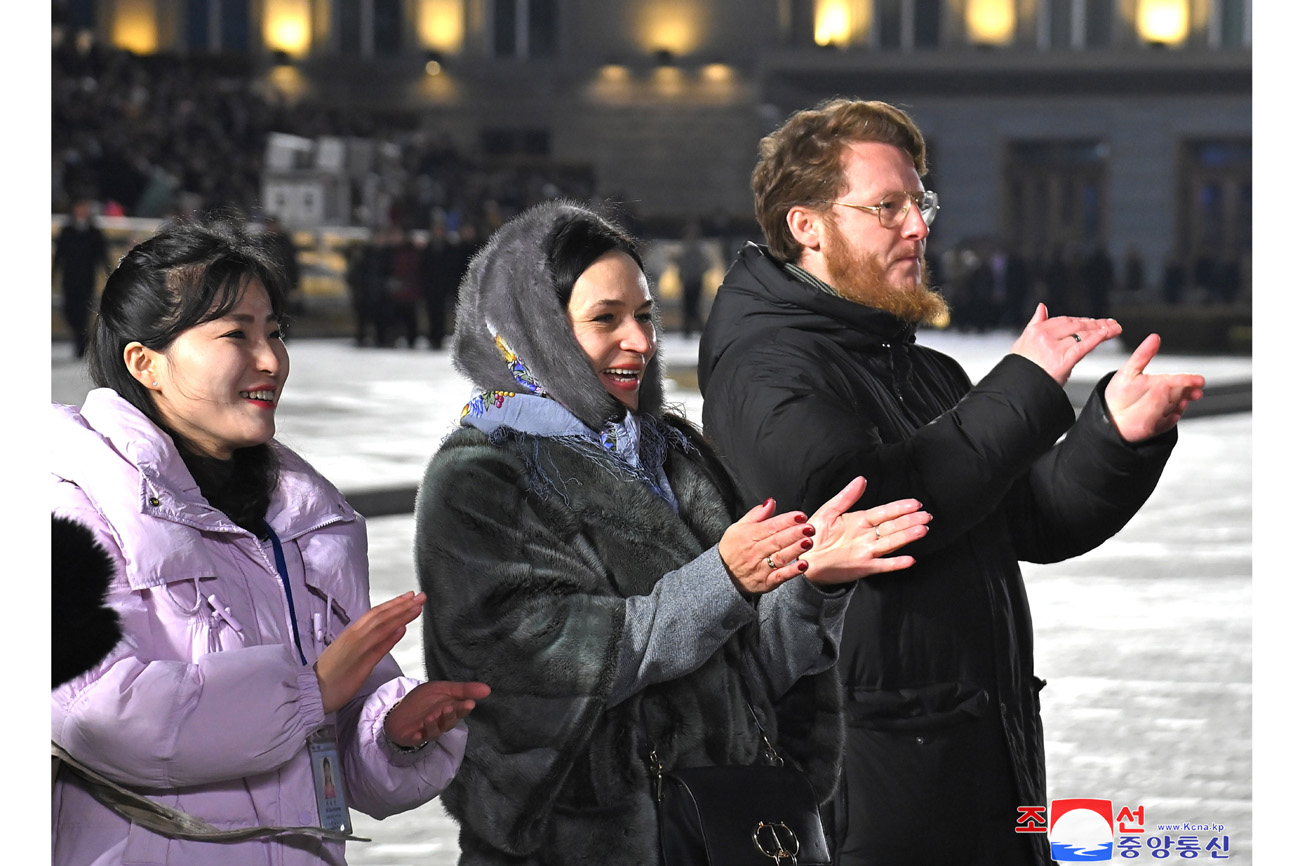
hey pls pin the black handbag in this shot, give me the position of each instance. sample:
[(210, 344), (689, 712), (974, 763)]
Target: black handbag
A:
[(738, 815)]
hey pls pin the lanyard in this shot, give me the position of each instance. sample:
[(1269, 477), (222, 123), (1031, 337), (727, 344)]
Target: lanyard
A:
[(288, 593)]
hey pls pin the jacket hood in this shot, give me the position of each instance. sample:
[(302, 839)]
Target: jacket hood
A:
[(758, 295), (513, 334)]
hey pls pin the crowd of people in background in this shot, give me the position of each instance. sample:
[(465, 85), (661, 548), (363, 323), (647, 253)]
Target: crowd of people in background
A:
[(995, 286), (153, 136), (162, 135)]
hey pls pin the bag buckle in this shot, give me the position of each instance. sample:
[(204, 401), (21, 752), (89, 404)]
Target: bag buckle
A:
[(776, 840), (770, 754)]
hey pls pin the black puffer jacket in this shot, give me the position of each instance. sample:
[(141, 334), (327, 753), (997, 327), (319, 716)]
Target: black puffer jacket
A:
[(804, 390)]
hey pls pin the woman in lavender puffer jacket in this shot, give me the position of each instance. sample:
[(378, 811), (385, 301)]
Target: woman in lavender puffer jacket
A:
[(250, 654)]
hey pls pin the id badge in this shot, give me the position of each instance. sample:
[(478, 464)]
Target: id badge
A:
[(327, 772)]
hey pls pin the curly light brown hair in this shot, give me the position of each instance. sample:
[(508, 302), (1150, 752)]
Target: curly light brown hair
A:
[(801, 163)]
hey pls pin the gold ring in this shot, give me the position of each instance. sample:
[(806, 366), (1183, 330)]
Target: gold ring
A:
[(771, 563)]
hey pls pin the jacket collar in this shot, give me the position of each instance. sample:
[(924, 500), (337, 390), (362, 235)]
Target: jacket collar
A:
[(302, 501), (760, 297)]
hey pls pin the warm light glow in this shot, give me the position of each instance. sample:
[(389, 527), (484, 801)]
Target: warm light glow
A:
[(833, 23), (717, 73), (991, 22), (433, 67), (135, 26), (613, 72), (668, 81), (441, 24), (675, 25), (286, 26), (288, 82), (1162, 21)]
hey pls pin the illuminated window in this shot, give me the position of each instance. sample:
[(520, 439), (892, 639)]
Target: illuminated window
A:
[(524, 28), (990, 22), (1162, 22), (887, 24)]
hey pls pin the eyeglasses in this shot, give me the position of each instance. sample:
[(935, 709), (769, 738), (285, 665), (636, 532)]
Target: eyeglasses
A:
[(893, 208)]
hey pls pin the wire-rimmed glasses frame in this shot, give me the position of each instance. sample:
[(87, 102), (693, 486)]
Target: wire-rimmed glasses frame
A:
[(894, 208)]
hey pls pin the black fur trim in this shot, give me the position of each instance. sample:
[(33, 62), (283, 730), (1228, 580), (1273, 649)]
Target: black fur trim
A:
[(84, 629)]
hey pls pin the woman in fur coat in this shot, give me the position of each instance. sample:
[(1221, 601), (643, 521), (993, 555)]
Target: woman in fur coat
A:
[(584, 552)]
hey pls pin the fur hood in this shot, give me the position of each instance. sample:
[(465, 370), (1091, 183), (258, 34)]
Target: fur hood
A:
[(509, 293)]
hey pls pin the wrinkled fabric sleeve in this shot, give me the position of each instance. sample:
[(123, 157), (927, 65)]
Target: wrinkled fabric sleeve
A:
[(800, 626), (1086, 488), (788, 429), (669, 633), (169, 724)]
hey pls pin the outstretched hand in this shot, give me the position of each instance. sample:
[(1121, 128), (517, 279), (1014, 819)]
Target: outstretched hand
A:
[(850, 545), (1143, 405), (761, 550), (346, 663), (1056, 344), (430, 710)]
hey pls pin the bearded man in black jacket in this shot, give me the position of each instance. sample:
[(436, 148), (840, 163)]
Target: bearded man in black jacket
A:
[(811, 375)]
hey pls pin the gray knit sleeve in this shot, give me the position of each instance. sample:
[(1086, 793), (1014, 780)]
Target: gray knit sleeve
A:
[(799, 631), (672, 631)]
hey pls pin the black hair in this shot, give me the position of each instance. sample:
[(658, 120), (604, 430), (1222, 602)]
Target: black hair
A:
[(576, 243), (188, 273)]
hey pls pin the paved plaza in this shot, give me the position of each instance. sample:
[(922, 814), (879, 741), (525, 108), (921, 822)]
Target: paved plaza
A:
[(1145, 643)]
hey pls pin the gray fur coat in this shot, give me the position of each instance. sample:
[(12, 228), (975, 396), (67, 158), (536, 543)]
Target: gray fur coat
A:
[(526, 592), (543, 565)]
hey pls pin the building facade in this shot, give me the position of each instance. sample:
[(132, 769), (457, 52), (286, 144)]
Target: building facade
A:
[(1056, 126)]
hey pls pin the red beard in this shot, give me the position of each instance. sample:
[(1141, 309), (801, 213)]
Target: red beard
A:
[(861, 278)]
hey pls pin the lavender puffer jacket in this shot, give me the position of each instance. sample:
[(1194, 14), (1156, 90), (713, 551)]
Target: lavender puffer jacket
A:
[(206, 705)]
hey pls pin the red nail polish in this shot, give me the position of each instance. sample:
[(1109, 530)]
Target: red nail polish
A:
[(808, 530), (806, 544), (803, 566), (800, 518)]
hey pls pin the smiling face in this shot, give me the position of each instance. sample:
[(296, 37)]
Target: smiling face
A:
[(611, 312), (217, 385)]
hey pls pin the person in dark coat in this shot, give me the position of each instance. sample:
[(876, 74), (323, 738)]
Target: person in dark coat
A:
[(79, 252), (692, 263), (581, 547), (812, 374), (442, 262)]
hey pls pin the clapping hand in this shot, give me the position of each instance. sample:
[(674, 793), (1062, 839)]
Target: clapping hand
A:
[(761, 550), (346, 663), (1056, 344), (430, 710), (1143, 405), (851, 545)]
